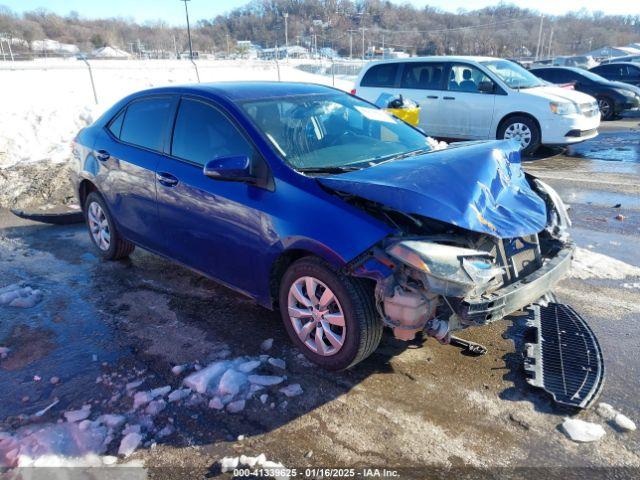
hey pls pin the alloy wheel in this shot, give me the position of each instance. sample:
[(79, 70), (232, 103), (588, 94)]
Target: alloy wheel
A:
[(520, 132), (99, 226), (316, 316), (605, 108)]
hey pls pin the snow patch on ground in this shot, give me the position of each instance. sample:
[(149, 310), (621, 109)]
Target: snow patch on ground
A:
[(228, 464), (581, 431), (588, 264), (20, 295)]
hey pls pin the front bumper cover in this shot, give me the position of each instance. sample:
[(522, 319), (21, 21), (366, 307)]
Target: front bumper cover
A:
[(502, 302)]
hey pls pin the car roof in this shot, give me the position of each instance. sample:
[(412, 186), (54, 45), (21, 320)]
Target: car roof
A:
[(436, 58), (635, 64), (240, 91)]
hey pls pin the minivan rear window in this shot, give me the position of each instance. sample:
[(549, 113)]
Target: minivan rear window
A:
[(380, 76)]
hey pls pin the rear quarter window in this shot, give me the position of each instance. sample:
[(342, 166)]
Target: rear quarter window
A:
[(380, 76), (145, 122)]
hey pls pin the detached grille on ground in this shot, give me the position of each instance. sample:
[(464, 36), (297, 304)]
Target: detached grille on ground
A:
[(566, 359)]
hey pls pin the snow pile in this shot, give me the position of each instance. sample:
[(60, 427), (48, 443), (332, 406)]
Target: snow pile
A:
[(228, 464), (588, 264), (581, 431), (229, 384), (19, 295), (436, 144), (623, 422)]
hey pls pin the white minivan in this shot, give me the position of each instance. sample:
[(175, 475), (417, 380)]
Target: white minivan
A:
[(484, 98)]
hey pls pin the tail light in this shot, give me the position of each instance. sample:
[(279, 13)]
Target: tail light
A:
[(353, 91)]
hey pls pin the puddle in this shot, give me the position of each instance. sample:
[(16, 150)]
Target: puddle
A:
[(599, 198), (612, 146)]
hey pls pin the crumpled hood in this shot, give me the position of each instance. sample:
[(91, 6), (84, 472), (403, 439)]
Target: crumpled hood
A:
[(477, 186)]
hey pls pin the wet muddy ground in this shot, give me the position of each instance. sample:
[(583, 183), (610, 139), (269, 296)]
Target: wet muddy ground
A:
[(412, 406)]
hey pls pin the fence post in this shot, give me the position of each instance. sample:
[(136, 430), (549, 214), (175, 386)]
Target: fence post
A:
[(93, 85), (196, 67), (333, 73)]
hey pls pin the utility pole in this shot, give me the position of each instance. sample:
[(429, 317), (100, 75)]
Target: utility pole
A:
[(550, 41), (186, 12), (175, 46), (539, 37), (363, 43), (286, 34), (351, 44), (383, 54), (228, 48)]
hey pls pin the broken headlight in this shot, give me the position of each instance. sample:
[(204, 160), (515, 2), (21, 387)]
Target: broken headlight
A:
[(450, 271), (560, 208)]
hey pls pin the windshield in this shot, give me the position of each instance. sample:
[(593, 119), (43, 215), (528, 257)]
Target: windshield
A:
[(332, 131), (513, 74)]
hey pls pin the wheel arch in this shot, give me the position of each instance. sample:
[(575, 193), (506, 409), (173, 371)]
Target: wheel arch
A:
[(282, 262), (84, 189), (517, 114)]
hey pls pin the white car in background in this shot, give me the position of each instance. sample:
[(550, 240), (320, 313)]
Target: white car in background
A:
[(475, 98)]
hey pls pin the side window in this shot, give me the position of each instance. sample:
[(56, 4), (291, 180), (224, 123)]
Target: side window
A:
[(564, 76), (383, 75), (202, 133), (116, 124), (466, 78), (424, 76), (548, 75), (145, 122)]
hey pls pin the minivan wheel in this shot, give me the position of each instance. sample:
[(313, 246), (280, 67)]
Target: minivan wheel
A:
[(524, 130), (330, 317), (606, 108), (105, 238)]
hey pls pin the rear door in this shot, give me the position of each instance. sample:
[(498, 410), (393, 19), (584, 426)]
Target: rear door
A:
[(423, 82), (468, 111), (216, 227), (129, 150)]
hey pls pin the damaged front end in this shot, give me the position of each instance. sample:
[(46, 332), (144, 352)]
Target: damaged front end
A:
[(441, 278)]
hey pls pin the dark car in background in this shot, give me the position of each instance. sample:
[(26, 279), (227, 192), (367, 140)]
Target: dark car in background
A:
[(627, 72), (613, 97)]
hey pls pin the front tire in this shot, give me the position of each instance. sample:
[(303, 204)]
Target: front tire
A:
[(607, 109), (107, 242), (523, 129), (329, 316)]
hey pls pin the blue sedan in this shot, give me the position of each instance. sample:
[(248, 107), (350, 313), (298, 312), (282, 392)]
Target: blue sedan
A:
[(319, 204)]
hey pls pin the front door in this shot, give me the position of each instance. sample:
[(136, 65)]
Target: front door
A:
[(216, 227)]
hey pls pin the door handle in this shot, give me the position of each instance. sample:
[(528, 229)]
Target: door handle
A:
[(166, 179), (102, 155), (432, 96), (449, 98)]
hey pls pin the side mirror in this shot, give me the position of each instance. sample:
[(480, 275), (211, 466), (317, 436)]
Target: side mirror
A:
[(487, 87), (235, 168)]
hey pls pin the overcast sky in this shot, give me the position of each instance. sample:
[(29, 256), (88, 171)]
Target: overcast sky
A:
[(172, 11)]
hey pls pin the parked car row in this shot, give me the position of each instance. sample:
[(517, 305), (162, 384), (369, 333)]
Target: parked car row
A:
[(476, 98)]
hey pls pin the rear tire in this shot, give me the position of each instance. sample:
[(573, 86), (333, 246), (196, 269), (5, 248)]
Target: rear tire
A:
[(104, 236), (523, 129), (353, 301)]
